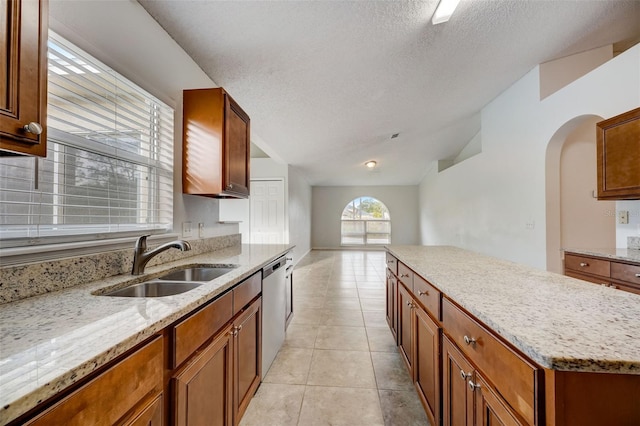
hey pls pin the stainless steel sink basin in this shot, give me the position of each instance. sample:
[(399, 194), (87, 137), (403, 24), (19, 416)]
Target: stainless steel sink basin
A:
[(155, 288), (198, 273)]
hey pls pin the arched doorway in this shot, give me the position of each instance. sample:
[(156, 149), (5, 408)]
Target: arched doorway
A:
[(575, 219), (365, 221)]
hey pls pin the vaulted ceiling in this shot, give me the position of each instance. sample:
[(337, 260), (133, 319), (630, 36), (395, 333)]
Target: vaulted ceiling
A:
[(327, 83)]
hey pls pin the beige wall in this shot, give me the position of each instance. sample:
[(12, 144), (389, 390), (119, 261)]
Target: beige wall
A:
[(585, 221)]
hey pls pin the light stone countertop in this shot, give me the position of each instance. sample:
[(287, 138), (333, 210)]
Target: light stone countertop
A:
[(622, 254), (51, 341), (560, 322)]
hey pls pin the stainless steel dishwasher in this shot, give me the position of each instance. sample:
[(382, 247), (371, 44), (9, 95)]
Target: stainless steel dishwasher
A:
[(273, 310)]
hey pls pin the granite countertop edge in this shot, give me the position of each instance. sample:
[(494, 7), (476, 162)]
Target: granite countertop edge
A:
[(621, 254), (250, 259), (543, 348)]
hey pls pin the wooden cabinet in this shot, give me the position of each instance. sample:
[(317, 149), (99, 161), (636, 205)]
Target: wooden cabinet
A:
[(213, 384), (457, 399), (517, 379), (426, 364), (216, 145), (203, 390), (391, 305), (603, 271), (618, 147), (405, 332), (127, 393), (468, 398), (23, 82), (247, 347)]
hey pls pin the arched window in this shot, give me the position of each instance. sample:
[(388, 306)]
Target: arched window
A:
[(365, 221)]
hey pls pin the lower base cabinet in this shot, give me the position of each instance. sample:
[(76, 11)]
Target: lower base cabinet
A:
[(426, 363), (216, 385), (128, 393), (468, 399)]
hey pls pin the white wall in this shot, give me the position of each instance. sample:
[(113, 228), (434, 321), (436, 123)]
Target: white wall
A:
[(125, 37), (494, 202), (299, 213), (328, 202)]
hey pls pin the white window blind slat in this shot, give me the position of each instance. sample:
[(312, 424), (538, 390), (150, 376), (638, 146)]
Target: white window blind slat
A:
[(109, 165)]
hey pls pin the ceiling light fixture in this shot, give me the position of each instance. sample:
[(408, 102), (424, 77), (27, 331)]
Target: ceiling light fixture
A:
[(370, 164), (444, 11)]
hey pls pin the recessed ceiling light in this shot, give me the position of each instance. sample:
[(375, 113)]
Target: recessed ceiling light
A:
[(444, 11), (370, 164)]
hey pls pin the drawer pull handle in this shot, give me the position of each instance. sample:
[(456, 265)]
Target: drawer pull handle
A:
[(584, 264), (408, 303), (464, 375), (390, 261), (637, 275), (469, 340), (404, 275), (473, 386), (423, 293)]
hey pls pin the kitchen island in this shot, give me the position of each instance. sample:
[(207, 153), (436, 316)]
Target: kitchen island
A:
[(52, 341), (553, 349)]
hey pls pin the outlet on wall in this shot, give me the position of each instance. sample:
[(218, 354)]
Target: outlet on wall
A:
[(623, 217), (186, 229)]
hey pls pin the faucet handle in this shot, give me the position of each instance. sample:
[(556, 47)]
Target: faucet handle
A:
[(141, 243)]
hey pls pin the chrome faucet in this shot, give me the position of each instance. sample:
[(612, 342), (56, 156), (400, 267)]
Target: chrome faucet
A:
[(141, 256)]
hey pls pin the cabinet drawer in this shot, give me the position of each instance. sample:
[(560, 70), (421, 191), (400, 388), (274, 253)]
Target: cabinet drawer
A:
[(514, 377), (392, 263), (192, 332), (405, 275), (108, 397), (587, 265), (428, 295), (631, 288), (246, 291), (624, 272)]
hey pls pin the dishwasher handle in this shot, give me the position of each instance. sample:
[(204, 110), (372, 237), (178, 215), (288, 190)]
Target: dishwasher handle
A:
[(273, 267)]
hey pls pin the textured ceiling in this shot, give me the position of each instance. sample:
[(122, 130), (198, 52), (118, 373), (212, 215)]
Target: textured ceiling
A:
[(326, 83)]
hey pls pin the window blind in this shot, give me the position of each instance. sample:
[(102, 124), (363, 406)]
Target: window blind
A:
[(109, 164)]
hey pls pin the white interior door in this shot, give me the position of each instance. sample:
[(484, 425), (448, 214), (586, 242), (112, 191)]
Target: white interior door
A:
[(267, 211)]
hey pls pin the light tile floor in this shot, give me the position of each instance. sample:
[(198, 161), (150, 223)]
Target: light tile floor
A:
[(339, 364)]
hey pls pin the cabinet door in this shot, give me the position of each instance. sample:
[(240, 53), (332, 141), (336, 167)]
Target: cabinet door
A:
[(247, 349), (457, 398), (618, 143), (236, 149), (392, 318), (23, 75), (426, 363), (405, 313), (491, 410), (203, 393)]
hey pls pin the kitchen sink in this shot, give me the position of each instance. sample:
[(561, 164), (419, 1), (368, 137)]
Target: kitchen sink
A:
[(155, 288), (198, 273)]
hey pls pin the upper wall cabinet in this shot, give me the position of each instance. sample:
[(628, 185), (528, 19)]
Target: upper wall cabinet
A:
[(23, 77), (215, 153), (619, 157)]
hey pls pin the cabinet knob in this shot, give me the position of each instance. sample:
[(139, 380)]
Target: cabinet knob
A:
[(422, 293), (637, 275), (464, 375), (408, 303), (33, 127), (404, 275), (473, 386), (469, 340), (584, 264), (390, 261), (230, 186)]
